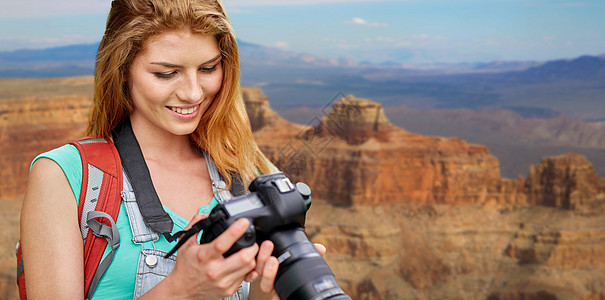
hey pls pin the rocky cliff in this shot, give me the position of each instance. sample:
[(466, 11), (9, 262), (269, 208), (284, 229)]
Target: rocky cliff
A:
[(568, 181), (404, 216), (31, 125), (355, 156)]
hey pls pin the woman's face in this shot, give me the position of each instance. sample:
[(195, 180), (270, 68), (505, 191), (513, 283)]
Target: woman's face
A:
[(173, 80)]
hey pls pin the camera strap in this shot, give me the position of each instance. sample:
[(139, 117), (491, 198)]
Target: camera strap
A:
[(136, 169), (186, 234)]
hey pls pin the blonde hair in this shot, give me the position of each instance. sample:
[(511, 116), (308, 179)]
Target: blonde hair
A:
[(224, 130)]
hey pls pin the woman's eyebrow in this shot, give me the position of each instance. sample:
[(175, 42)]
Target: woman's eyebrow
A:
[(213, 60), (169, 65)]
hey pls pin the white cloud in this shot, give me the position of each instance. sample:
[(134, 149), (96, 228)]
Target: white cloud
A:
[(362, 22), (359, 21), (282, 45)]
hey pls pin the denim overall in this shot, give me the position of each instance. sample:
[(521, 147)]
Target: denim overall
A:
[(153, 267)]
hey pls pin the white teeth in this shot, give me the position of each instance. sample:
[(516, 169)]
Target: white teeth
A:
[(183, 111)]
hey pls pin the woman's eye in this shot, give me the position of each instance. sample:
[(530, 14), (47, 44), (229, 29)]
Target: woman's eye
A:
[(208, 70), (164, 75)]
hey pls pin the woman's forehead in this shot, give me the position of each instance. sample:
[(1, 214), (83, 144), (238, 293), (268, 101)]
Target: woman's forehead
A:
[(180, 45)]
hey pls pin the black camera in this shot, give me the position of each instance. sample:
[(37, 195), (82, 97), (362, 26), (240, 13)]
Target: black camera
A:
[(276, 209)]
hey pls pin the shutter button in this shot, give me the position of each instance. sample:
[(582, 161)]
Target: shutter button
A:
[(151, 260)]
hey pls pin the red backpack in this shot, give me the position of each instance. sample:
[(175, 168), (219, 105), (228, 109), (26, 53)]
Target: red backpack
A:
[(99, 204)]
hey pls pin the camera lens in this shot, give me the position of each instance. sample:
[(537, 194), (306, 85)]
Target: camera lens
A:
[(303, 274)]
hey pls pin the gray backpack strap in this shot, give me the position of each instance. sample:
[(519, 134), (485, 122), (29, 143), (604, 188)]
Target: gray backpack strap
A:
[(110, 233), (95, 180)]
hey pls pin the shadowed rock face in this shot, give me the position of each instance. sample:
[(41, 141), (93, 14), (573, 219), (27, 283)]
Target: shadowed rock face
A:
[(404, 216), (257, 106), (355, 156), (355, 120), (568, 181)]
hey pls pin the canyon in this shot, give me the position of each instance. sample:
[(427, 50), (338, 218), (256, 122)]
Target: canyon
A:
[(403, 215), (406, 216)]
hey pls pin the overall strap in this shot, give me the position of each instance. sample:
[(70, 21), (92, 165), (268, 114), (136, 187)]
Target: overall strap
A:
[(219, 186), (140, 231)]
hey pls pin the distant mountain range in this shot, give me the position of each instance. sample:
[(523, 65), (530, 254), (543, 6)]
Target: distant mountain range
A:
[(589, 68), (79, 60), (570, 87), (75, 60)]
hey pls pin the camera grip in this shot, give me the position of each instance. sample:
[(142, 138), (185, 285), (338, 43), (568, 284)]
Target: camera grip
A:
[(246, 240)]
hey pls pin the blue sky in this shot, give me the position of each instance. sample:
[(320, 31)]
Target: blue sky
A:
[(407, 31)]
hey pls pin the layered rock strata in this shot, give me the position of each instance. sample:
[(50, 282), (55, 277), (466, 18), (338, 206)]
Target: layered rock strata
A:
[(33, 125), (354, 156), (403, 216), (568, 181), (387, 206)]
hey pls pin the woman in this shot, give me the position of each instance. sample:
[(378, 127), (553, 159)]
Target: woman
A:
[(169, 70)]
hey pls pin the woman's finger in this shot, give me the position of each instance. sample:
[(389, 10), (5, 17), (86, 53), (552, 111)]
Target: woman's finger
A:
[(194, 220), (265, 251), (252, 276), (269, 272), (225, 240), (320, 248)]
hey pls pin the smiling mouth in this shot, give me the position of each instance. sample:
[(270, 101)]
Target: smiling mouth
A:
[(184, 111)]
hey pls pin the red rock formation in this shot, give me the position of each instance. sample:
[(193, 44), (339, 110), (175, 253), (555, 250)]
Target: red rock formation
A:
[(403, 216), (354, 156), (354, 120), (257, 106), (367, 175), (33, 125), (568, 181)]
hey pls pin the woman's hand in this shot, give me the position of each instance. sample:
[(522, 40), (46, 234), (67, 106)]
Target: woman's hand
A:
[(266, 269), (201, 271)]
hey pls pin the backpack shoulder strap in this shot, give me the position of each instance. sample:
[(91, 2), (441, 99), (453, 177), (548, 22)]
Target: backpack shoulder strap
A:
[(98, 206), (20, 274), (100, 198)]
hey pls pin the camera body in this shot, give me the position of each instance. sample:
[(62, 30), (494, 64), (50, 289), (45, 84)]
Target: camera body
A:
[(273, 203), (276, 209)]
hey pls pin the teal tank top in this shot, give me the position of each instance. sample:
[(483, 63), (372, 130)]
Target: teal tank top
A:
[(118, 282)]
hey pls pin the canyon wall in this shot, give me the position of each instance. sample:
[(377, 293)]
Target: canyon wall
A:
[(31, 125), (404, 216)]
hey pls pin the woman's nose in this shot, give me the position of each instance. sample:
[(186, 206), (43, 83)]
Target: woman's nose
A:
[(190, 89)]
